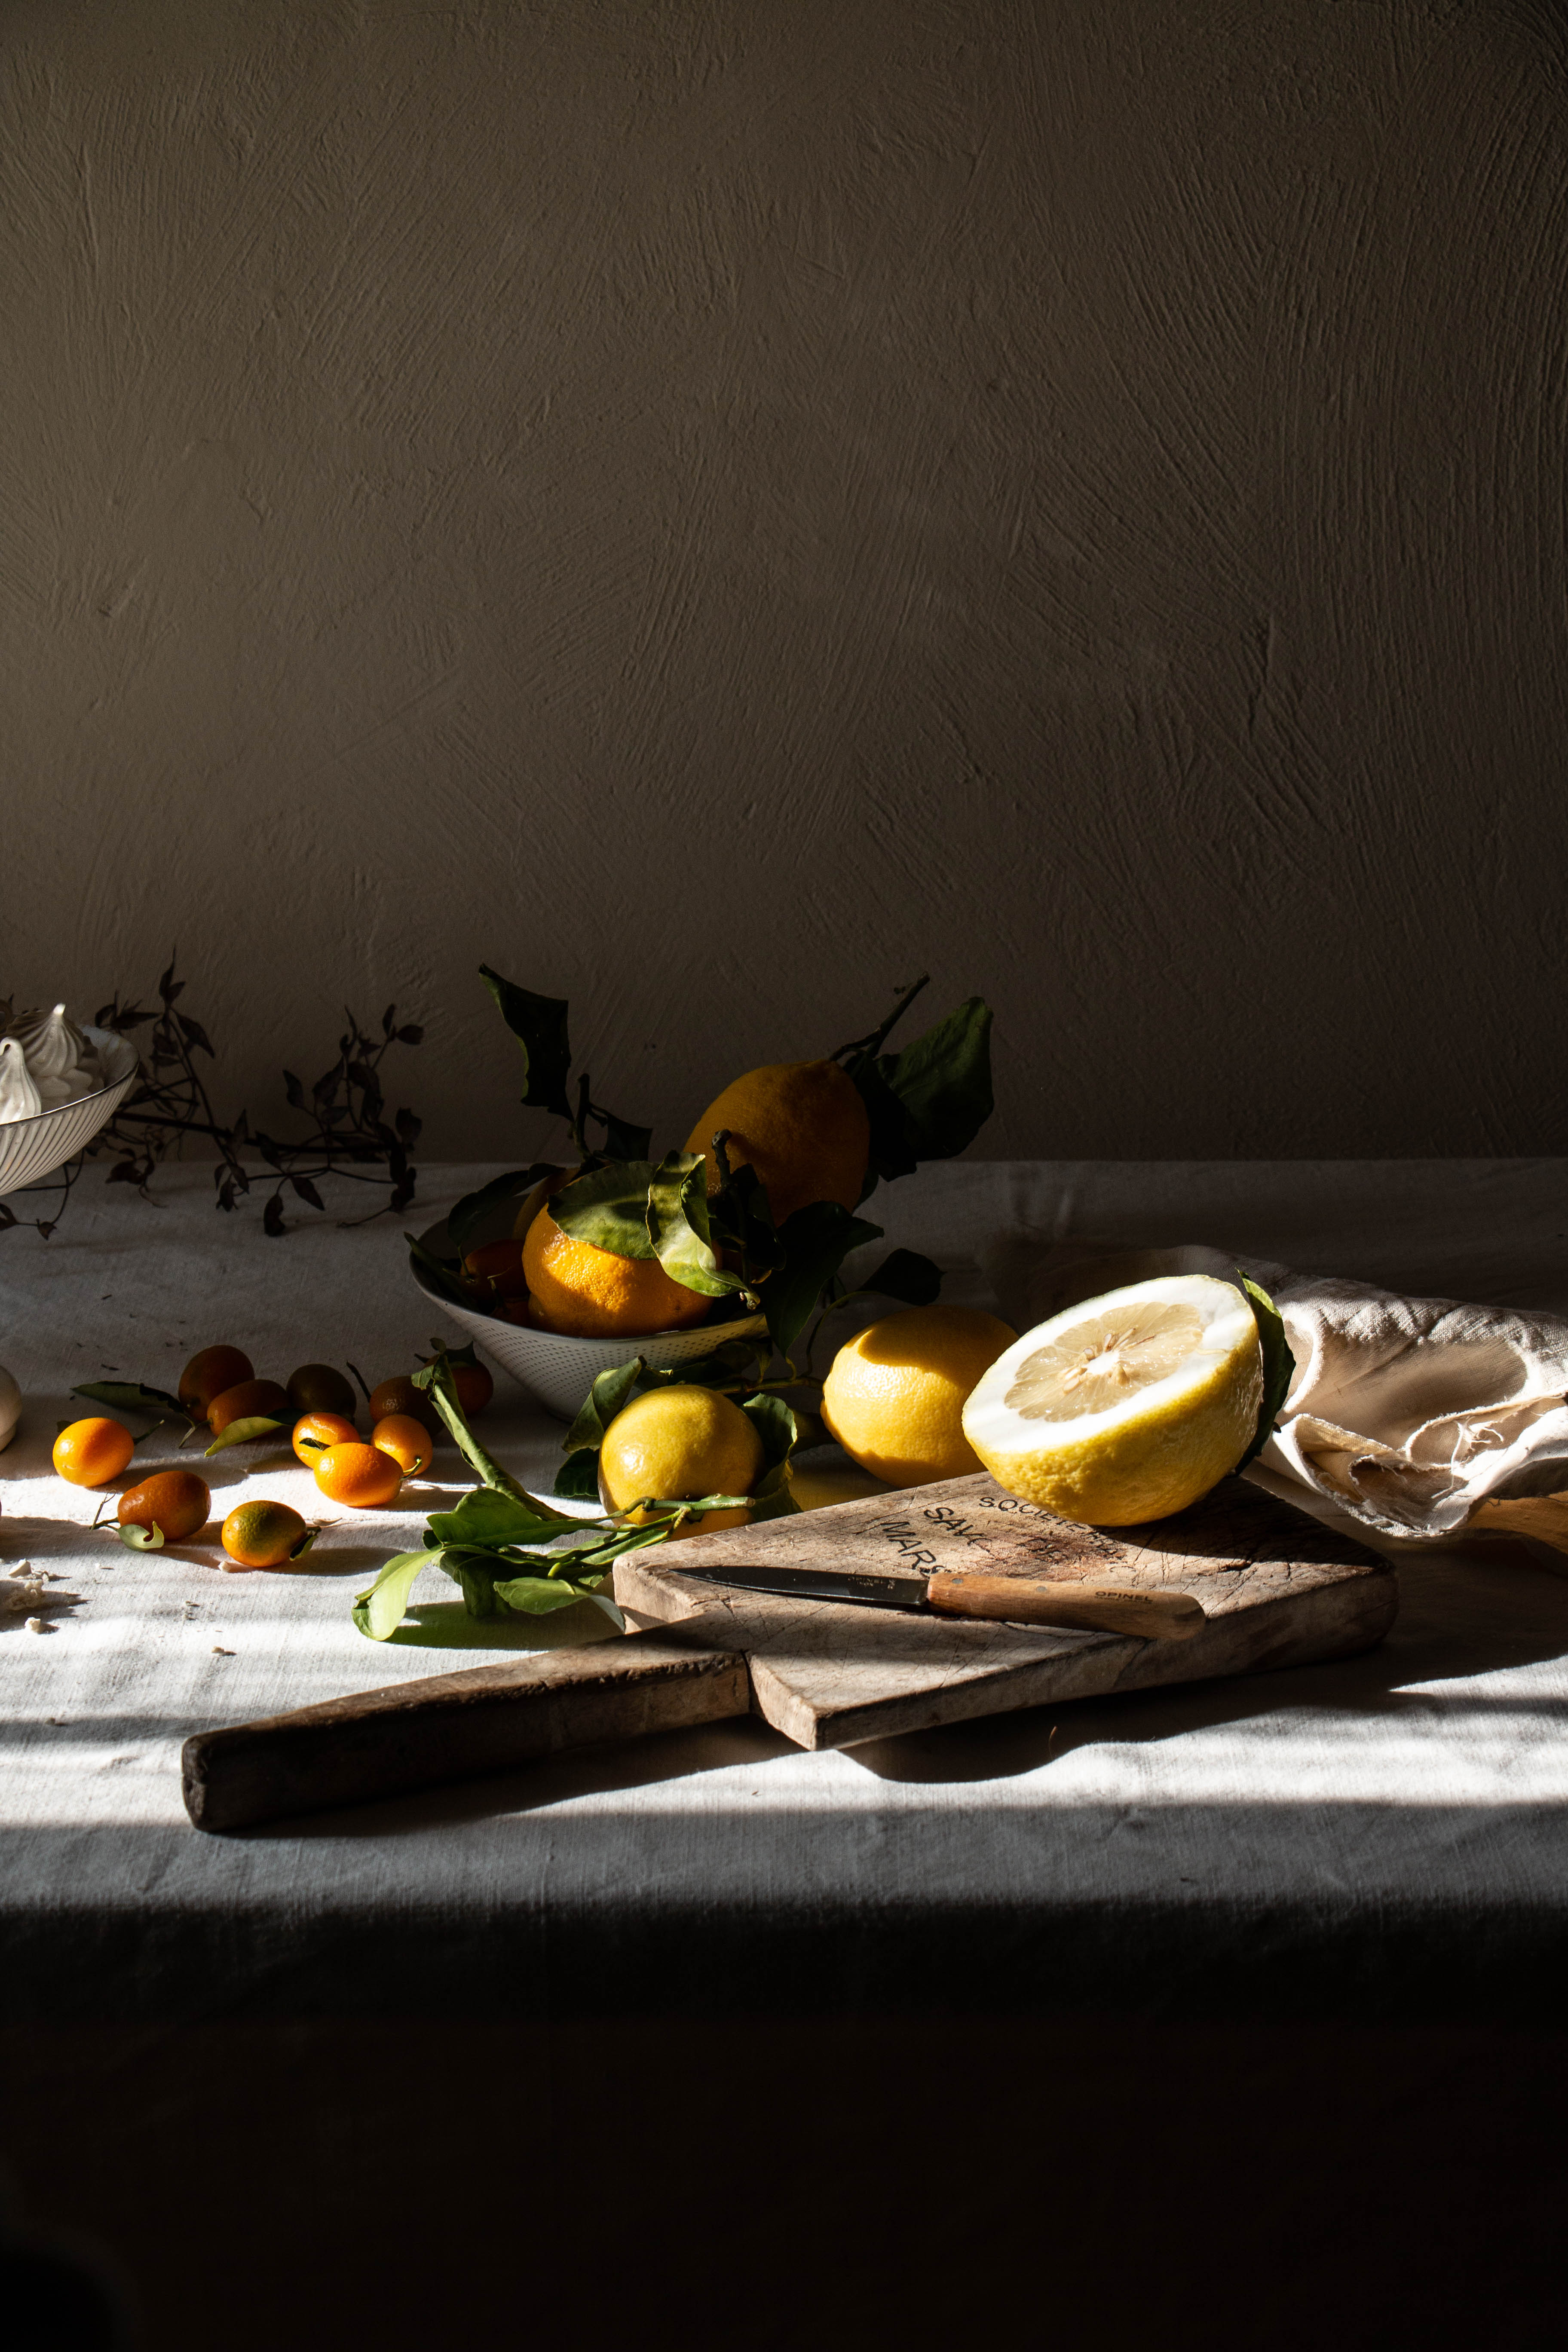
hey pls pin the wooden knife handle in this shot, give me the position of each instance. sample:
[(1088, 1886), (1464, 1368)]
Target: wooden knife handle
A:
[(414, 1735), (1044, 1601)]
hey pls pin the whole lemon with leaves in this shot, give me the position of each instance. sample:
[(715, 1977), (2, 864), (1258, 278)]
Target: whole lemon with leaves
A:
[(801, 1125), (675, 1445), (895, 1393)]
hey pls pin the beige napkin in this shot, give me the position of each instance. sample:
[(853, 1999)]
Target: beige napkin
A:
[(1416, 1417)]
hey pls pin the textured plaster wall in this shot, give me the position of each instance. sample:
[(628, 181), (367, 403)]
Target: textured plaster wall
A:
[(713, 508)]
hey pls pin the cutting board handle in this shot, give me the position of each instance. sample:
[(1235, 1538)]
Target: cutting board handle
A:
[(1097, 1608), (415, 1735)]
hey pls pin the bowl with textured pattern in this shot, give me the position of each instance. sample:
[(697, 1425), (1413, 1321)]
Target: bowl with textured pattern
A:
[(552, 1366), (32, 1149)]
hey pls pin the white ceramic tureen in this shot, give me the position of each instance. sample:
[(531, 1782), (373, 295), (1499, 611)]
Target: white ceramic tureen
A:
[(58, 1085)]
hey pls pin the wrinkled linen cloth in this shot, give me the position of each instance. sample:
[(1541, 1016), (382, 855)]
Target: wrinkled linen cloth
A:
[(1418, 1418)]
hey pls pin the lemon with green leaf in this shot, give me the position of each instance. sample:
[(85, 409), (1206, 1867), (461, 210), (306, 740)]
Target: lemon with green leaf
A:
[(677, 1444), (801, 1125)]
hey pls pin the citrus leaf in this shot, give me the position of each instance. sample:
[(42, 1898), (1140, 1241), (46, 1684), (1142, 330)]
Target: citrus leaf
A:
[(140, 1539), (739, 1362), (486, 1519), (775, 1425), (740, 1219), (442, 1273), (891, 1152), (1279, 1363), (600, 1406), (303, 1545), (577, 1481), (905, 1274), (539, 1024), (380, 1610), (622, 1140), (943, 1082), (436, 1379), (816, 1241), (475, 1573), (535, 1596), (609, 1208), (470, 1212), (131, 1396), (241, 1433), (773, 1497), (676, 1217)]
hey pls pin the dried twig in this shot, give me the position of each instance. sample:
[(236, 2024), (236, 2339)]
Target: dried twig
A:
[(347, 1135)]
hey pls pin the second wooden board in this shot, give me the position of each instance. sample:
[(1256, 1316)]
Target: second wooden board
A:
[(1278, 1589)]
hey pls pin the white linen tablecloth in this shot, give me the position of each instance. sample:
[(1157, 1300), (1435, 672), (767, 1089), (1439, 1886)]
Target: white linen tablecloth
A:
[(1391, 1827)]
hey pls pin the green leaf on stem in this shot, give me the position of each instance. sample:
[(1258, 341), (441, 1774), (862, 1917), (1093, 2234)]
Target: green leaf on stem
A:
[(470, 1212), (739, 1219), (774, 1495), (380, 1610), (891, 1151), (539, 1024), (475, 1573), (622, 1140), (1279, 1363), (609, 1392), (140, 1539), (487, 1518), (441, 1272), (816, 1241), (609, 1208), (131, 1396), (678, 1229), (241, 1433), (943, 1081), (775, 1424), (436, 1378), (577, 1481), (534, 1596)]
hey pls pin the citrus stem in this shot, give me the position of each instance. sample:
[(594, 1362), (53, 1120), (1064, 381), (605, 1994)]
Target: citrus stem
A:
[(846, 1298), (862, 1049)]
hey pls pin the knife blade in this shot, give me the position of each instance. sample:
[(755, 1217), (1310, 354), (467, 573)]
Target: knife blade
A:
[(1094, 1606)]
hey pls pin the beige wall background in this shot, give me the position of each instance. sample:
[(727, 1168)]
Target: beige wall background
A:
[(714, 508)]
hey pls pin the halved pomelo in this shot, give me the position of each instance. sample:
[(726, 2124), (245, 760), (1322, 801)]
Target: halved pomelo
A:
[(1126, 1407)]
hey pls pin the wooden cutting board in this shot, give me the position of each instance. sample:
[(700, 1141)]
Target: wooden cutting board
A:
[(1278, 1589)]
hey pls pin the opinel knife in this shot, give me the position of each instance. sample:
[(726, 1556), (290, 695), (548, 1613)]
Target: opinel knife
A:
[(1096, 1604)]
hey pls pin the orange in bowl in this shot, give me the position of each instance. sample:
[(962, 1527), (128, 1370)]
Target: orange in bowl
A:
[(591, 1294), (494, 1271)]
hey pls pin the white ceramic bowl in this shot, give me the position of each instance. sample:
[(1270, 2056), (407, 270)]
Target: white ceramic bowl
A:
[(560, 1371), (32, 1149)]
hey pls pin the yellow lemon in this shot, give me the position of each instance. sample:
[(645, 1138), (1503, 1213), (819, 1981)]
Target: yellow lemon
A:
[(1127, 1407), (801, 1125), (894, 1395), (674, 1444), (595, 1295)]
